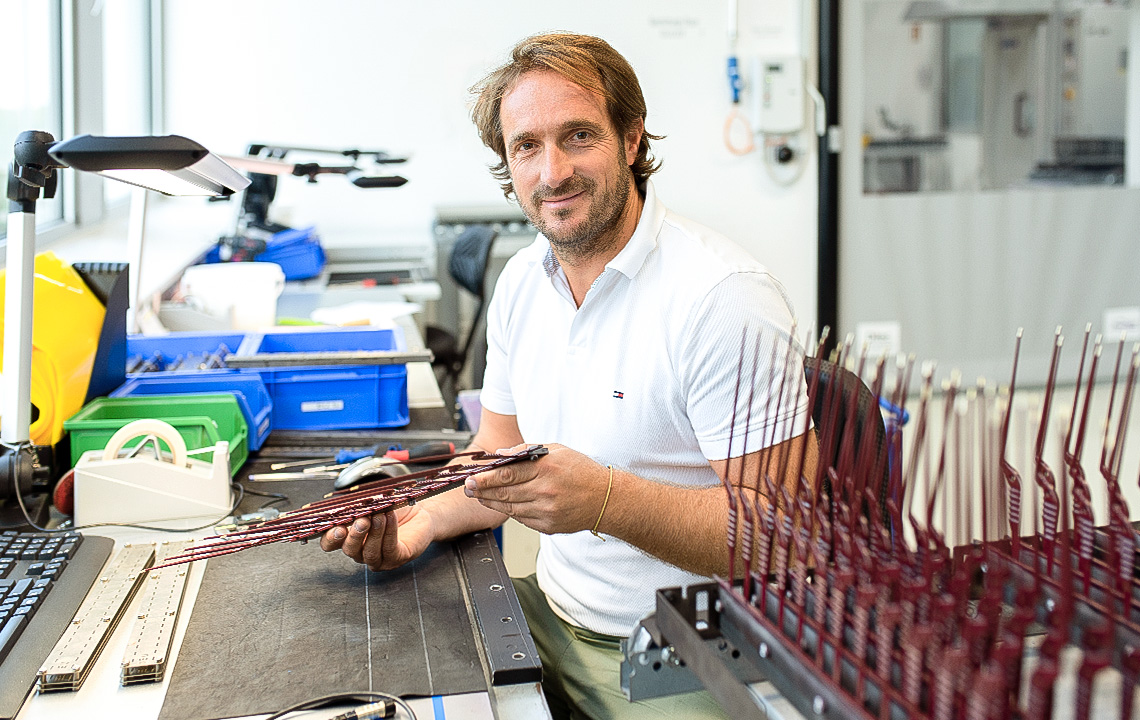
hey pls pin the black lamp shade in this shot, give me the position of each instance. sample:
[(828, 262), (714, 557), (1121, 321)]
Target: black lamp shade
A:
[(171, 164)]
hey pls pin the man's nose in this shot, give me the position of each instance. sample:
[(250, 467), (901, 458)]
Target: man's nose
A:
[(556, 166)]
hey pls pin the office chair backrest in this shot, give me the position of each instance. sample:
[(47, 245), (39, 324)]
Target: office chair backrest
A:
[(469, 257), (838, 389)]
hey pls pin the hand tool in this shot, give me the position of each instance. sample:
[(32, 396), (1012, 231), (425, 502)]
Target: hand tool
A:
[(429, 451)]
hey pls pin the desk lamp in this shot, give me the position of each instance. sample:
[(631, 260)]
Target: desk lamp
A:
[(171, 165)]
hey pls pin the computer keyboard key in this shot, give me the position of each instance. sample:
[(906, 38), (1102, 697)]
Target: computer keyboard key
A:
[(22, 610), (5, 568), (35, 568), (41, 583), (10, 632), (21, 587), (67, 548)]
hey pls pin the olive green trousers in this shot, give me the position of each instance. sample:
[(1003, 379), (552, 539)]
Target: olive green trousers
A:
[(580, 670)]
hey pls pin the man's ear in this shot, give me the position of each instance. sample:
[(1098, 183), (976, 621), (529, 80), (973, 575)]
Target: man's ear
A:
[(633, 140)]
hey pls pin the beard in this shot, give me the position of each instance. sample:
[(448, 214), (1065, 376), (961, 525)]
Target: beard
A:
[(594, 235)]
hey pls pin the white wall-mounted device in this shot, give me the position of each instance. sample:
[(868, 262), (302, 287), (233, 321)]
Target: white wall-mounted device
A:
[(778, 91)]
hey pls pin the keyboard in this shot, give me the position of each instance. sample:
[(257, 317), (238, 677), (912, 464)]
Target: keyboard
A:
[(43, 580)]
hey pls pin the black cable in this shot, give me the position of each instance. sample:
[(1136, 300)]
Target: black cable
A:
[(326, 700), (277, 497)]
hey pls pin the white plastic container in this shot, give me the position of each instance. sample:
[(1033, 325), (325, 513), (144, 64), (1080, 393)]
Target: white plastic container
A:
[(245, 293)]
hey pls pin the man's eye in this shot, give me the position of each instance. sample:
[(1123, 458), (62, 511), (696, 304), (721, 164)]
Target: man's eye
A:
[(525, 147), (582, 135)]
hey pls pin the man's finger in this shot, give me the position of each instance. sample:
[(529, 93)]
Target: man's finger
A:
[(389, 538), (354, 541), (333, 539), (501, 477)]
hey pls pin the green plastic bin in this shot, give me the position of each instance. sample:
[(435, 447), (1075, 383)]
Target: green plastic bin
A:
[(202, 420)]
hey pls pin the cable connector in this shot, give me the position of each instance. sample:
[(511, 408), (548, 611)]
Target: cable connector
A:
[(735, 83), (371, 711)]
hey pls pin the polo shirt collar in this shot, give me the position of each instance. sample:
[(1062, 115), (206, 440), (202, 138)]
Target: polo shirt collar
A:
[(641, 243)]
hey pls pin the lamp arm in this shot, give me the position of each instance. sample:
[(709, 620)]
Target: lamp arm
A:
[(278, 151)]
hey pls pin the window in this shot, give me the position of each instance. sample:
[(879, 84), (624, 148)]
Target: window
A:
[(126, 77), (110, 45), (32, 94)]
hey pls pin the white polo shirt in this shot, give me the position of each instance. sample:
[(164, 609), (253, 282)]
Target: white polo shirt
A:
[(642, 377)]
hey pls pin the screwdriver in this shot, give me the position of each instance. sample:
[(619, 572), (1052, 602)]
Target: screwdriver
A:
[(347, 457)]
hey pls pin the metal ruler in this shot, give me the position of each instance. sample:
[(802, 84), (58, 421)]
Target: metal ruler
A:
[(353, 357), (75, 653), (153, 631)]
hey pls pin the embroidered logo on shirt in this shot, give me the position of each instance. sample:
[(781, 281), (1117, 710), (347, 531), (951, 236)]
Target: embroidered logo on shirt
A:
[(619, 394)]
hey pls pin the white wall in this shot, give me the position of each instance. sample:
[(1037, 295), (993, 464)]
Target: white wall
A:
[(394, 76)]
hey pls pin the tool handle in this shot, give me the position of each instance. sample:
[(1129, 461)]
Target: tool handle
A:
[(423, 450), (350, 456)]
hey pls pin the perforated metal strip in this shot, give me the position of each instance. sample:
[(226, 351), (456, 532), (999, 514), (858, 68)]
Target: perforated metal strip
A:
[(72, 657), (151, 635)]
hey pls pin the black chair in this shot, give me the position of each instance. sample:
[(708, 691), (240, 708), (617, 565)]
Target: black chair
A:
[(843, 398), (467, 265)]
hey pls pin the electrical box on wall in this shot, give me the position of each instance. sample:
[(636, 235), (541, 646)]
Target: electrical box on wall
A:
[(779, 94)]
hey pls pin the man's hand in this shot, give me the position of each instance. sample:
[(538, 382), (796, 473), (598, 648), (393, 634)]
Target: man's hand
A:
[(562, 492), (383, 541)]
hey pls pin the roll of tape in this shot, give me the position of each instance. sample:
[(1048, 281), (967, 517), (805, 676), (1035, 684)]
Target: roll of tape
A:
[(164, 431)]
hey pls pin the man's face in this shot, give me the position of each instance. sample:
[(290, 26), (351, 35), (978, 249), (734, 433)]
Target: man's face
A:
[(569, 165)]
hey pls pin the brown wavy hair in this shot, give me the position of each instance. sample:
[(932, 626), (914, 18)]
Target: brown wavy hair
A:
[(586, 61)]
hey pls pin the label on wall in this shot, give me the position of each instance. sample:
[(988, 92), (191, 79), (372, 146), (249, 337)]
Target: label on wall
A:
[(1122, 321)]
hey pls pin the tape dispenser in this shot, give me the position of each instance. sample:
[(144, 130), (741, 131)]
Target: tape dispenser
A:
[(146, 484)]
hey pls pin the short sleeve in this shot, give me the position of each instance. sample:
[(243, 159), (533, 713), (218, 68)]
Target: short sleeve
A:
[(742, 367)]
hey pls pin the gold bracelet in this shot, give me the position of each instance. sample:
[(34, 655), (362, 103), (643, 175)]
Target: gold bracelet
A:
[(604, 503)]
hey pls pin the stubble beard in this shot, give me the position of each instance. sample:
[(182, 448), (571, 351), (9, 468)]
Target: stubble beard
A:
[(596, 234)]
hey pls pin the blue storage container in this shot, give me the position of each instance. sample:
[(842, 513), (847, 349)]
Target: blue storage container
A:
[(334, 396), (297, 251), (252, 396), (337, 397), (328, 397), (168, 351)]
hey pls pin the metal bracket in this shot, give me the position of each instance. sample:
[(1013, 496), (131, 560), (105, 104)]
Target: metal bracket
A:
[(652, 668), (511, 654), (689, 616)]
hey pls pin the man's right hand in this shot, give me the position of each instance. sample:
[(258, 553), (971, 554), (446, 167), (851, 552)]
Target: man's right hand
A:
[(383, 541)]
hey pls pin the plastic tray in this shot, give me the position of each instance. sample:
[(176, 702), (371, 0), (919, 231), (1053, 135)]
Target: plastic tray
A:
[(202, 420), (252, 397)]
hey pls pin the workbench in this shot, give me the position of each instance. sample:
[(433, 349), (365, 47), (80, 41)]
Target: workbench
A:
[(278, 624)]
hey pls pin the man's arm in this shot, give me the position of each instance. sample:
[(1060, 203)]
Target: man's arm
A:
[(687, 527), (389, 540)]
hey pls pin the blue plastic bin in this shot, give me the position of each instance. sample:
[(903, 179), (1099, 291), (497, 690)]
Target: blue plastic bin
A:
[(167, 349), (334, 396), (297, 251), (337, 397), (252, 396)]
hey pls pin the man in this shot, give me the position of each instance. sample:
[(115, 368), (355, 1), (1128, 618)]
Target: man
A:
[(615, 340)]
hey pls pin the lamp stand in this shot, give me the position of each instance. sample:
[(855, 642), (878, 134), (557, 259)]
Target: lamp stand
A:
[(31, 173), (16, 412)]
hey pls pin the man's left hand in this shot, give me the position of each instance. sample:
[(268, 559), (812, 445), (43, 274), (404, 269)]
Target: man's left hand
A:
[(562, 492)]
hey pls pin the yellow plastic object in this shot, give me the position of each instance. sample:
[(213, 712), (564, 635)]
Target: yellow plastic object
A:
[(66, 324)]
